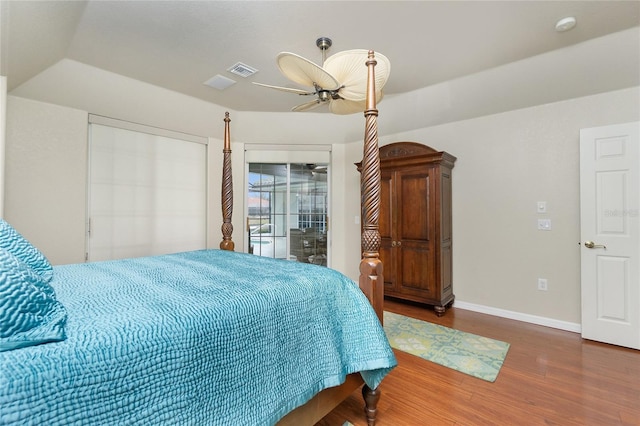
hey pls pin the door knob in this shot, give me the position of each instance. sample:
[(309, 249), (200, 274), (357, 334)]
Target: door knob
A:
[(591, 244), (393, 243)]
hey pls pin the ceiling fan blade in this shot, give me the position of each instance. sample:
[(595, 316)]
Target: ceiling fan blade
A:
[(307, 106), (344, 106), (349, 68), (286, 89), (304, 72), (347, 106)]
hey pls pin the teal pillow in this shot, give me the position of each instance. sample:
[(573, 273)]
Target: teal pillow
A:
[(30, 314), (16, 244)]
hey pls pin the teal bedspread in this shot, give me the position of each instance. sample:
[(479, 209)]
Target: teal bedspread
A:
[(199, 338)]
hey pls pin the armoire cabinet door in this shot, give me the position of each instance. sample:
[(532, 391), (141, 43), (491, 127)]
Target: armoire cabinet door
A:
[(386, 224), (414, 233)]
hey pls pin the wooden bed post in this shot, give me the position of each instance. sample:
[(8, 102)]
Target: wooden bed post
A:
[(371, 273), (227, 190), (371, 278)]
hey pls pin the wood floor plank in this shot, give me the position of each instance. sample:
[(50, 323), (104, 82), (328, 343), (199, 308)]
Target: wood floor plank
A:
[(549, 377)]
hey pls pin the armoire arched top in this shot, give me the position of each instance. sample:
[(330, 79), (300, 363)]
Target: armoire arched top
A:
[(414, 153)]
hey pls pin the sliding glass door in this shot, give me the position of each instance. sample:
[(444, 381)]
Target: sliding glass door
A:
[(287, 211)]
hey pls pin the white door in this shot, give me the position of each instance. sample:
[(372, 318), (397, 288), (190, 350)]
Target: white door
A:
[(610, 232)]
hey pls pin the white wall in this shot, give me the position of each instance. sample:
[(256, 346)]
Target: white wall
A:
[(3, 121), (506, 163), (72, 86), (46, 178), (47, 170)]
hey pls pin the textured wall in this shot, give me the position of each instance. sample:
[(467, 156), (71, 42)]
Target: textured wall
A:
[(506, 163)]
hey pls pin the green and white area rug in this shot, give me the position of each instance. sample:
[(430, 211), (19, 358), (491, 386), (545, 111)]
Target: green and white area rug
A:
[(476, 356)]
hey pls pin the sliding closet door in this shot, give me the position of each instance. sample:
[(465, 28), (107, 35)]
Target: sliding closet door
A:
[(147, 192)]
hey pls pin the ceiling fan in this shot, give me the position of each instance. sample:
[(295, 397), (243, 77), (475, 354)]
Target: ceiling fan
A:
[(341, 81)]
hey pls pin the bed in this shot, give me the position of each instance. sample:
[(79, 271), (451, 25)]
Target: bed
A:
[(209, 337)]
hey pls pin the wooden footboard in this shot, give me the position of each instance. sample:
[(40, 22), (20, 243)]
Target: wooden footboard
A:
[(322, 404)]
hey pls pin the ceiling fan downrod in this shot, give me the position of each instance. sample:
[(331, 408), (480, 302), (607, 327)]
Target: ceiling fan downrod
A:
[(324, 43)]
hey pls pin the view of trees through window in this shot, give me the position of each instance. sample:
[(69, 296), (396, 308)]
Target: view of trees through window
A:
[(287, 211)]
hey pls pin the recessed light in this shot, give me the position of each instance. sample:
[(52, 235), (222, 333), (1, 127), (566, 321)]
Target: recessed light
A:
[(565, 24)]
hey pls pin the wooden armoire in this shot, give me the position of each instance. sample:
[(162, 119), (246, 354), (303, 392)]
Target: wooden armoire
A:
[(415, 223)]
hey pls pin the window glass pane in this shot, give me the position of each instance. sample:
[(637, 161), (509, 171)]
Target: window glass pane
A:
[(266, 210), (292, 221)]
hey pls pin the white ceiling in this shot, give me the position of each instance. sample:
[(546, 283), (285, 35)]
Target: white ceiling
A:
[(179, 45)]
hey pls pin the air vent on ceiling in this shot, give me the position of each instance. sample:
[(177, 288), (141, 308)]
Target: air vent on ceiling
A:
[(220, 82), (243, 70)]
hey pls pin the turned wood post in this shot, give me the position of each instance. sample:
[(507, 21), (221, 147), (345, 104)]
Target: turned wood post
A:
[(371, 398), (371, 278), (227, 190)]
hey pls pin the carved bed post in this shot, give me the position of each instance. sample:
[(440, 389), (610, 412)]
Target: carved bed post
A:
[(227, 190), (371, 278)]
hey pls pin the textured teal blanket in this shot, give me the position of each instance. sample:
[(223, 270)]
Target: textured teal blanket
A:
[(199, 338)]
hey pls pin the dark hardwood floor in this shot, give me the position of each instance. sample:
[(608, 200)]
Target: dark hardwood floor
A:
[(549, 377)]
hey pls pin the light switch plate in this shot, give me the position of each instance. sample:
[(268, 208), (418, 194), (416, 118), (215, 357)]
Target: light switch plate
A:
[(542, 207), (542, 284)]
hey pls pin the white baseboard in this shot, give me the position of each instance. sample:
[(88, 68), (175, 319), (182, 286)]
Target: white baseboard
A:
[(533, 319)]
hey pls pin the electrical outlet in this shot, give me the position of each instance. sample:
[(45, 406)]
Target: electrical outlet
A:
[(542, 284), (544, 224)]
